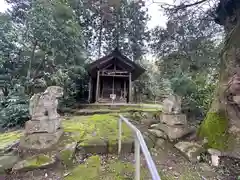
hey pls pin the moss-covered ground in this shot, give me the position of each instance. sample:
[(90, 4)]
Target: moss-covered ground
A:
[(95, 127), (98, 168), (105, 109)]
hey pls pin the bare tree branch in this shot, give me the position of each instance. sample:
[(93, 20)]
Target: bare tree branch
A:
[(183, 5)]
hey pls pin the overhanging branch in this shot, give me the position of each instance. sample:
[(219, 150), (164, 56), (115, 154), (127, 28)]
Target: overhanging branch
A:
[(182, 6)]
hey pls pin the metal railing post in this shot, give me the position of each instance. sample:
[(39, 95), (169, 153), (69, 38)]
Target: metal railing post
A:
[(119, 135), (139, 145), (137, 158)]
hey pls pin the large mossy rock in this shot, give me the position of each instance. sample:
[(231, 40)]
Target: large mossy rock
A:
[(36, 162)]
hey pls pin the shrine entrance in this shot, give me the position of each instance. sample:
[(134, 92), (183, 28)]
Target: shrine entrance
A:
[(111, 78)]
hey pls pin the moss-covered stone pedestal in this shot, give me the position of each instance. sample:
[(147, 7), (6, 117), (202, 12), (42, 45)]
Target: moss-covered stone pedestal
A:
[(40, 141)]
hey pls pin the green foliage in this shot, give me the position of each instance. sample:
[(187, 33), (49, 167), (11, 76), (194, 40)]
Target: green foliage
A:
[(41, 46), (46, 42), (188, 57), (197, 93), (214, 128), (14, 108)]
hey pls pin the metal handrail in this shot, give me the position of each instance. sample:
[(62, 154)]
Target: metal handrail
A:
[(139, 143)]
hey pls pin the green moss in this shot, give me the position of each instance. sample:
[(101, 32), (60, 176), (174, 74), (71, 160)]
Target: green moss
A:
[(118, 170), (88, 171), (39, 160), (214, 128), (89, 128), (65, 139), (35, 162), (8, 138), (66, 156)]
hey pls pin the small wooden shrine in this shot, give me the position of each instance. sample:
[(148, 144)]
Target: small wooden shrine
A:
[(111, 78)]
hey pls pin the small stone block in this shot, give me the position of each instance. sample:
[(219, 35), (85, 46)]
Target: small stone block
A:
[(174, 119)]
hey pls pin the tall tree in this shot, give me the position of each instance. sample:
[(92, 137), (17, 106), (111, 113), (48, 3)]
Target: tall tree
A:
[(186, 51), (222, 121)]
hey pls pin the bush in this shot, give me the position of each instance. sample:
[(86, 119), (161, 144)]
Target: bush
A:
[(197, 94), (14, 109)]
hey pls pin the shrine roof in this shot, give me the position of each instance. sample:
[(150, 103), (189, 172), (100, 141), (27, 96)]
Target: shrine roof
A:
[(118, 57)]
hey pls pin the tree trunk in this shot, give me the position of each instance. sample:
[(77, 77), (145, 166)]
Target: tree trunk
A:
[(222, 125)]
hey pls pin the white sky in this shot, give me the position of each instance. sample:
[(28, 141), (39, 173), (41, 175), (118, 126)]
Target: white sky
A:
[(155, 13)]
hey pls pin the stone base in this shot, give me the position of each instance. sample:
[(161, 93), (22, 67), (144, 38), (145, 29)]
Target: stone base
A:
[(174, 132), (192, 150), (48, 126), (173, 119), (40, 141)]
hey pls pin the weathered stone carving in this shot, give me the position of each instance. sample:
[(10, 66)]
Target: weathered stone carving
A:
[(172, 104), (172, 123), (44, 105), (43, 130)]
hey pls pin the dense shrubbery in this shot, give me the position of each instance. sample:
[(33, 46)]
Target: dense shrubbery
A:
[(197, 94), (14, 108)]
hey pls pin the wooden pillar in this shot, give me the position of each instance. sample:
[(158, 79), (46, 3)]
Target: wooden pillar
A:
[(97, 86), (113, 86), (90, 90), (130, 88), (124, 93)]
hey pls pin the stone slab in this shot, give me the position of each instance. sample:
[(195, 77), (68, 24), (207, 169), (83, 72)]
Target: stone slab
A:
[(39, 161), (173, 119), (191, 149), (158, 133), (174, 132)]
